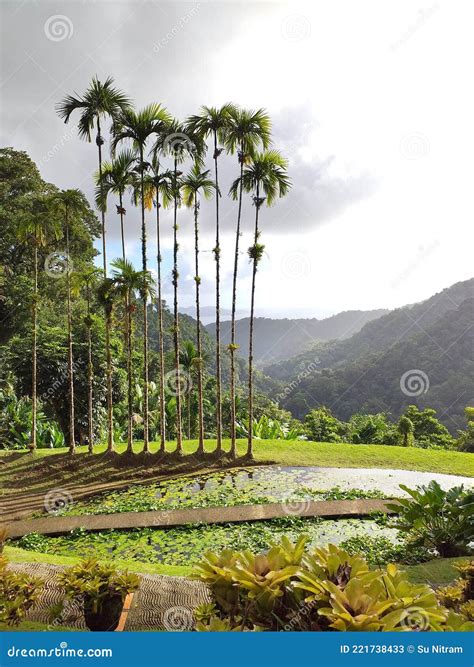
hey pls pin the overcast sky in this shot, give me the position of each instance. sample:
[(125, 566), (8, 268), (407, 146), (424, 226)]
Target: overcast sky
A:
[(371, 102)]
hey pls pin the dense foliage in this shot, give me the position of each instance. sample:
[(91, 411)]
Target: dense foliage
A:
[(324, 589)]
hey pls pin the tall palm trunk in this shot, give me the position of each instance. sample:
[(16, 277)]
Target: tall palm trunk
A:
[(108, 323), (197, 280), (232, 348), (160, 330), (252, 310), (72, 439), (90, 371), (179, 436), (122, 231), (129, 333), (146, 446), (217, 252), (34, 348)]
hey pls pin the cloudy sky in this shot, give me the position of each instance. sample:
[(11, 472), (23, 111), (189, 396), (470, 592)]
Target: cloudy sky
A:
[(371, 102)]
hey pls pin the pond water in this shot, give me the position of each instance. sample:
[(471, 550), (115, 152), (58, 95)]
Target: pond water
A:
[(185, 545), (262, 484)]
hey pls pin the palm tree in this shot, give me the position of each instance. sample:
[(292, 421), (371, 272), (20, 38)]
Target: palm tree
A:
[(72, 203), (194, 183), (214, 122), (158, 191), (180, 143), (127, 281), (115, 178), (188, 358), (100, 101), (137, 127), (246, 131), (264, 175), (88, 280), (37, 229), (106, 297)]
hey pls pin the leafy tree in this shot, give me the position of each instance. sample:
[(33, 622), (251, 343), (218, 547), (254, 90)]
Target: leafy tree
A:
[(321, 426), (465, 440), (370, 429), (265, 175), (37, 228), (427, 429), (405, 428)]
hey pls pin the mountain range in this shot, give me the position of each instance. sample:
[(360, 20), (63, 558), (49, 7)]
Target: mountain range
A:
[(278, 339), (421, 354)]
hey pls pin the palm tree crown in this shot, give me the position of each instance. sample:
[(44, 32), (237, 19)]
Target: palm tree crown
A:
[(100, 99), (117, 177), (246, 130), (267, 174)]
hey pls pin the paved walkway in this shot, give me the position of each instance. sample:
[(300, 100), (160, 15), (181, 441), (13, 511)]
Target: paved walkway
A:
[(57, 525), (160, 603)]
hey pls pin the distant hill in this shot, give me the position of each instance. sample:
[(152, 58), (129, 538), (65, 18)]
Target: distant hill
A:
[(364, 372), (377, 335), (277, 339)]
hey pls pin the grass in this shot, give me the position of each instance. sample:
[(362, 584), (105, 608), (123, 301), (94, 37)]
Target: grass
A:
[(32, 626), (17, 555), (39, 471), (437, 572)]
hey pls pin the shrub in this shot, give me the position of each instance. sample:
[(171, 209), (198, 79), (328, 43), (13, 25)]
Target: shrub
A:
[(102, 590), (321, 426), (18, 593), (325, 589), (438, 519), (370, 429)]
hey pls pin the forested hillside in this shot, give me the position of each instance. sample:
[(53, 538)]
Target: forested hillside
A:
[(276, 339)]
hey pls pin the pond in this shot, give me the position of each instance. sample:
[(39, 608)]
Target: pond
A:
[(261, 484), (185, 545)]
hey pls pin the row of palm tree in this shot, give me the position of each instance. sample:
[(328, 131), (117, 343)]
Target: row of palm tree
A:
[(151, 135)]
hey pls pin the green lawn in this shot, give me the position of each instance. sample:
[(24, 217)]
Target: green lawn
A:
[(436, 572), (311, 454)]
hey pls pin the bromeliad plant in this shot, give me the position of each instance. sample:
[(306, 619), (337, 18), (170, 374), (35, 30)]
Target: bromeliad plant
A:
[(102, 590), (324, 590), (436, 518), (18, 593)]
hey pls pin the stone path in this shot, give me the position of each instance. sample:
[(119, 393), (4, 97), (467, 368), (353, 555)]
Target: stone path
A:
[(56, 525), (161, 602)]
